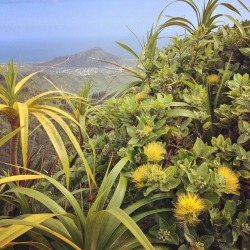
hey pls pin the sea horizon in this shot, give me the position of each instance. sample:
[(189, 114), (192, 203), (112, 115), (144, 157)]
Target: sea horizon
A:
[(42, 50)]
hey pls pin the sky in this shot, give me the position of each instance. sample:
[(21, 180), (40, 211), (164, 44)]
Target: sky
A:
[(39, 30)]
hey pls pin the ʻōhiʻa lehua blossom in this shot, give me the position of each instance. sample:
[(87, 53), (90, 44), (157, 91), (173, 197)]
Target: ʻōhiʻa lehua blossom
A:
[(232, 181), (139, 96), (188, 208), (213, 79), (139, 176), (154, 151), (147, 128)]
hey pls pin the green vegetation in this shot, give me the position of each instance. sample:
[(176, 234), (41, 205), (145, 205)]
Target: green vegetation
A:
[(161, 163)]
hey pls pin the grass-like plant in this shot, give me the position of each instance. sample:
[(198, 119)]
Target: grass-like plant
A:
[(206, 19), (17, 112), (105, 225)]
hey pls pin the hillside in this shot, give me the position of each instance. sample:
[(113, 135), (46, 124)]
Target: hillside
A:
[(71, 76), (88, 59), (72, 72)]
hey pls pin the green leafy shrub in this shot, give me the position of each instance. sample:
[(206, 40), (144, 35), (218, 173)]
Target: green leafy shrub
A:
[(183, 130), (184, 127)]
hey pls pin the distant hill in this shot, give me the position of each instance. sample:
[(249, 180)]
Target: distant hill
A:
[(72, 72), (88, 59)]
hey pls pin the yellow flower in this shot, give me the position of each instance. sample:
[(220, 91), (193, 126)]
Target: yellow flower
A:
[(154, 151), (188, 208), (139, 96), (147, 128), (213, 79), (139, 176), (232, 181)]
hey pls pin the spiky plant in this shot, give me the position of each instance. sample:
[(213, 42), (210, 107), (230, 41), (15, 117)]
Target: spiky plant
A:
[(17, 112)]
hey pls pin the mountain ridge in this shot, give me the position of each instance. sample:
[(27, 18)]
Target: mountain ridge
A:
[(88, 59)]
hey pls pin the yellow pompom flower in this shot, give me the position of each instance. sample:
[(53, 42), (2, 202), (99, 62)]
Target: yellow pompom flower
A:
[(213, 79), (232, 181), (139, 176), (139, 96), (154, 151), (188, 208), (147, 128)]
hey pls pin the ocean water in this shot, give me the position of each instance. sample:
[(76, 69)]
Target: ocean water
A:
[(41, 50)]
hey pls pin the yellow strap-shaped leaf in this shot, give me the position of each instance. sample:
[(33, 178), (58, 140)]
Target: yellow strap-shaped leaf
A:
[(56, 141), (70, 117), (20, 84), (19, 178), (24, 119), (37, 245), (4, 97), (38, 98), (33, 100), (9, 136), (3, 106), (72, 138), (12, 232), (19, 227)]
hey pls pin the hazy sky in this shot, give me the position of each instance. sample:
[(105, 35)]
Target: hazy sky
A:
[(43, 29)]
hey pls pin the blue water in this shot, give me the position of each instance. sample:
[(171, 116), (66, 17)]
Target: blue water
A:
[(41, 50)]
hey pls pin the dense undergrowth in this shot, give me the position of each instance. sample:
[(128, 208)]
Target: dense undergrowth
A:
[(163, 164)]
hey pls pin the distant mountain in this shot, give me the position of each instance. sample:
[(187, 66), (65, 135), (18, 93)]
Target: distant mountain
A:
[(88, 59)]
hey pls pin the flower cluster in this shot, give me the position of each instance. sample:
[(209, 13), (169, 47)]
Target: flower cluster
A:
[(231, 180), (188, 207), (139, 96), (154, 152), (163, 234), (149, 175), (213, 79)]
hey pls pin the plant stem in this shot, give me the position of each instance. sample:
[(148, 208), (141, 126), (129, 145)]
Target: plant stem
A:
[(195, 56)]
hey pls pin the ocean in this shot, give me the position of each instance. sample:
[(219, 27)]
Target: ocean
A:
[(41, 50)]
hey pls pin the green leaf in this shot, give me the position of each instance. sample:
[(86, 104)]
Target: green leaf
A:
[(207, 240), (243, 138), (55, 208), (119, 193), (202, 169), (181, 113), (241, 29), (245, 51), (244, 173), (14, 231), (20, 226), (37, 245), (202, 150), (9, 136), (110, 223), (211, 196), (75, 143), (243, 218), (128, 49), (207, 125), (228, 237), (231, 7), (189, 237), (230, 208), (131, 131), (244, 6), (56, 141), (132, 226)]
